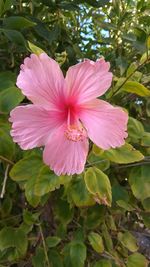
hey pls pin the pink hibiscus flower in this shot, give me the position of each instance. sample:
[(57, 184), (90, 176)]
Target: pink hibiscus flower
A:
[(65, 112)]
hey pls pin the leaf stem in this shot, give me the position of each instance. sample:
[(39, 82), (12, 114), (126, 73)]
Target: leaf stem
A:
[(95, 162), (4, 182), (7, 160), (44, 245)]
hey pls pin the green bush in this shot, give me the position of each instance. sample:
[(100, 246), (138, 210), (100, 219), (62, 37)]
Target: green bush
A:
[(98, 218)]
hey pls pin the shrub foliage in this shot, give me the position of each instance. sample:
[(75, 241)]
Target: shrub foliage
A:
[(101, 217)]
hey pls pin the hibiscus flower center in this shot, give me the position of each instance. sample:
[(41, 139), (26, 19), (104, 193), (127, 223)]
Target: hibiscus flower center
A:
[(75, 133)]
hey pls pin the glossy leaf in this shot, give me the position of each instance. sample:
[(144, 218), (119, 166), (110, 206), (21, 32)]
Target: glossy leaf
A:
[(96, 242), (128, 240), (77, 254), (16, 238), (124, 154), (98, 184), (52, 241), (135, 129), (17, 23), (136, 88), (137, 260), (10, 98), (103, 263), (47, 181), (85, 198), (21, 171), (139, 176)]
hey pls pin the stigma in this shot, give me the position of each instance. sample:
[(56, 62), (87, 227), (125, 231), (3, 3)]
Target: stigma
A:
[(75, 133)]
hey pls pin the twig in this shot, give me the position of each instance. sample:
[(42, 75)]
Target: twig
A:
[(10, 218), (44, 245), (146, 160), (133, 164), (95, 162), (128, 77), (4, 182), (7, 160)]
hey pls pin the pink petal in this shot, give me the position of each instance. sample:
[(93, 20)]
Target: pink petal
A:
[(106, 125), (88, 80), (41, 80), (32, 125), (65, 156)]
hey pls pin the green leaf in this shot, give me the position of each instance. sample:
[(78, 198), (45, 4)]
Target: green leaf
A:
[(119, 193), (15, 37), (94, 216), (136, 88), (1, 6), (52, 241), (21, 241), (63, 212), (5, 5), (128, 240), (135, 129), (17, 23), (35, 49), (66, 254), (10, 98), (48, 181), (124, 154), (144, 57), (146, 204), (132, 68), (103, 263), (137, 260), (7, 80), (146, 139), (148, 107), (97, 156), (110, 221), (140, 182), (38, 260), (96, 242), (16, 238), (146, 220), (107, 237), (97, 3), (7, 147), (77, 254), (30, 192), (26, 168), (148, 42), (98, 184), (6, 206), (6, 238), (30, 217), (125, 205), (84, 198), (54, 258)]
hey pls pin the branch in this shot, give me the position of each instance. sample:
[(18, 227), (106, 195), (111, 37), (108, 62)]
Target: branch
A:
[(146, 160)]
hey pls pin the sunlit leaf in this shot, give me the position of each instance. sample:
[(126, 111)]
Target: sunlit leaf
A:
[(137, 260), (96, 242), (128, 240), (136, 88), (98, 184)]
